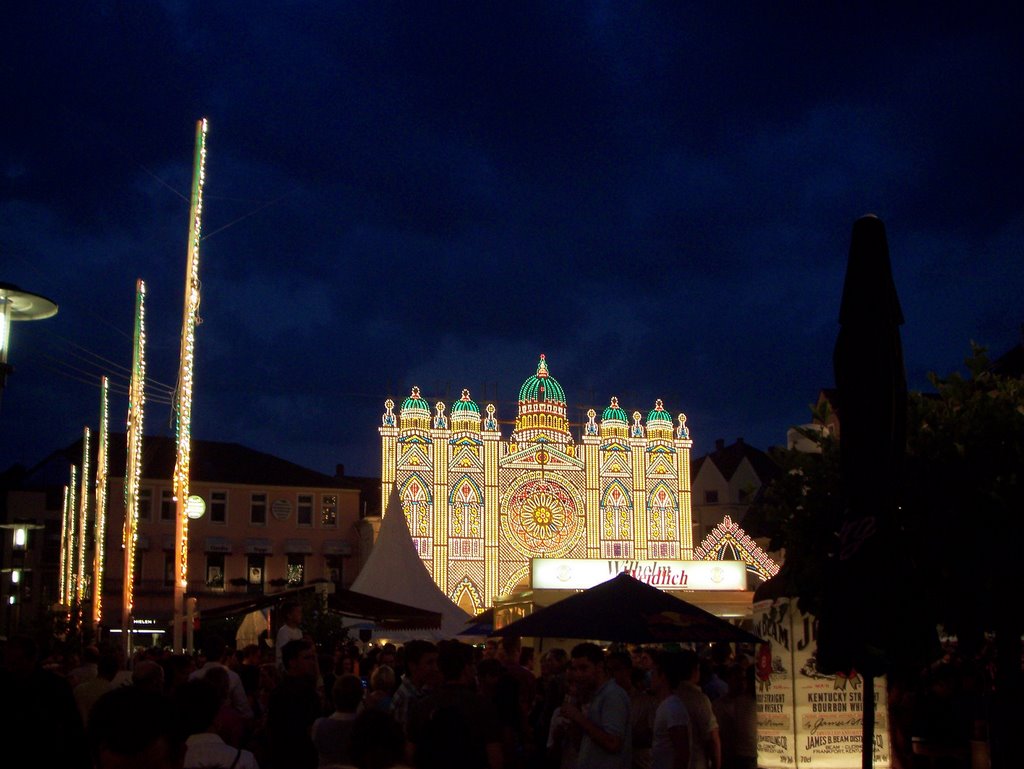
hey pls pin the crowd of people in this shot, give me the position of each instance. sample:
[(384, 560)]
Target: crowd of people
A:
[(420, 705)]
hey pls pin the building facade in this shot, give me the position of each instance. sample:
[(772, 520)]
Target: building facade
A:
[(479, 505), (269, 524)]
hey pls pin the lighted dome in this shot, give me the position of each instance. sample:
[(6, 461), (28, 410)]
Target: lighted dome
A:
[(465, 406), (542, 387), (658, 415), (614, 412), (415, 403)]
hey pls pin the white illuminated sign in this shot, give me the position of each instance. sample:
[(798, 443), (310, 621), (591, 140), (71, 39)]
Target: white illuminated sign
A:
[(195, 507), (583, 573)]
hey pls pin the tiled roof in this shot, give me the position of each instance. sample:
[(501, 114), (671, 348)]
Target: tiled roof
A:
[(727, 459), (211, 462)]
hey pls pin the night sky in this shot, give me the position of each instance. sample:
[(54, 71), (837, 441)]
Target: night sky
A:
[(658, 199)]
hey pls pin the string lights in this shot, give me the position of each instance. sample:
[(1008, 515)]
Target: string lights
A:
[(101, 506), (620, 490), (83, 519), (185, 382), (133, 463)]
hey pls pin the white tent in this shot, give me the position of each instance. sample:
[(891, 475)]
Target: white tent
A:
[(395, 572)]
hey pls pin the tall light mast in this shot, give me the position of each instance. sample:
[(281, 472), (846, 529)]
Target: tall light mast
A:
[(101, 507), (133, 462), (184, 393)]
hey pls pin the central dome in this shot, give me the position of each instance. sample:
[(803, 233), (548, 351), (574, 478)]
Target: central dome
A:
[(542, 387)]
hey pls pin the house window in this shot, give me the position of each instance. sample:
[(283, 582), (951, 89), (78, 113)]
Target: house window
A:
[(296, 570), (304, 510), (215, 571), (168, 569), (258, 509), (711, 497), (329, 510), (167, 505), (145, 504), (335, 569), (218, 506), (255, 573)]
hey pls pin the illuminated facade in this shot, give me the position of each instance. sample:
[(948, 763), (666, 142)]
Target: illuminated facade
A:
[(479, 506)]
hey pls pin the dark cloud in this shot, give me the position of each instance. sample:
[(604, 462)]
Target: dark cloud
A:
[(659, 198)]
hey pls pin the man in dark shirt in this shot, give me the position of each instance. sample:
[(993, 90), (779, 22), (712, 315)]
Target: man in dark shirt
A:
[(452, 726), (294, 706)]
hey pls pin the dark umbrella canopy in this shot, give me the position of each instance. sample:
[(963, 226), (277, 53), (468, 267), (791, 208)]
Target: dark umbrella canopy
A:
[(626, 610), (856, 622)]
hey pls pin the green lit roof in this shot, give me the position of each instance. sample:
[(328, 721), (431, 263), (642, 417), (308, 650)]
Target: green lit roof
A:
[(542, 386), (614, 412), (658, 414), (414, 401), (465, 406)]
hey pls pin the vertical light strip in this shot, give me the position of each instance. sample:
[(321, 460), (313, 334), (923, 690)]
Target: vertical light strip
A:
[(72, 529), (83, 520), (133, 462), (185, 382), (101, 507), (64, 550)]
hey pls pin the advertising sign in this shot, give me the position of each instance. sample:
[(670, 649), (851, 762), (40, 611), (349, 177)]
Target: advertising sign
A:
[(584, 573), (806, 719)]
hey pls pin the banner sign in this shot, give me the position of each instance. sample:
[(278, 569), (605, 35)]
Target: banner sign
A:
[(806, 719), (584, 573)]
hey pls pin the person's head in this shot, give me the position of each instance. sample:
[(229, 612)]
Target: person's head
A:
[(131, 728), (488, 673), (377, 741), (553, 662), (251, 655), (198, 702), (667, 673), (292, 613), (619, 665), (107, 665), (347, 693), (148, 675), (511, 645), (383, 679), (218, 679), (455, 661), (421, 662), (587, 668), (387, 655), (299, 659), (690, 664), (214, 648)]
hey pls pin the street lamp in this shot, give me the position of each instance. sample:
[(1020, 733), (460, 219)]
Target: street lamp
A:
[(16, 304)]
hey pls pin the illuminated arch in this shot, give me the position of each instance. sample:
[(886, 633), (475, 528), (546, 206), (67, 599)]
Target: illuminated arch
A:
[(616, 505), (663, 513), (467, 597), (415, 496), (465, 505)]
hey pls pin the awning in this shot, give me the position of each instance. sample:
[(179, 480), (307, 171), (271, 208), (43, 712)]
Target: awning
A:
[(217, 545), (258, 546), (337, 547), (297, 547), (383, 613)]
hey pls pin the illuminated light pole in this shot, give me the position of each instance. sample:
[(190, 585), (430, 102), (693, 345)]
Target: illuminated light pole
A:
[(133, 463), (63, 586), (83, 527), (185, 383), (101, 509), (16, 304), (70, 555)]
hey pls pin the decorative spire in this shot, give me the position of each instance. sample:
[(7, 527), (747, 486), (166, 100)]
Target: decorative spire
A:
[(542, 368), (465, 395)]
